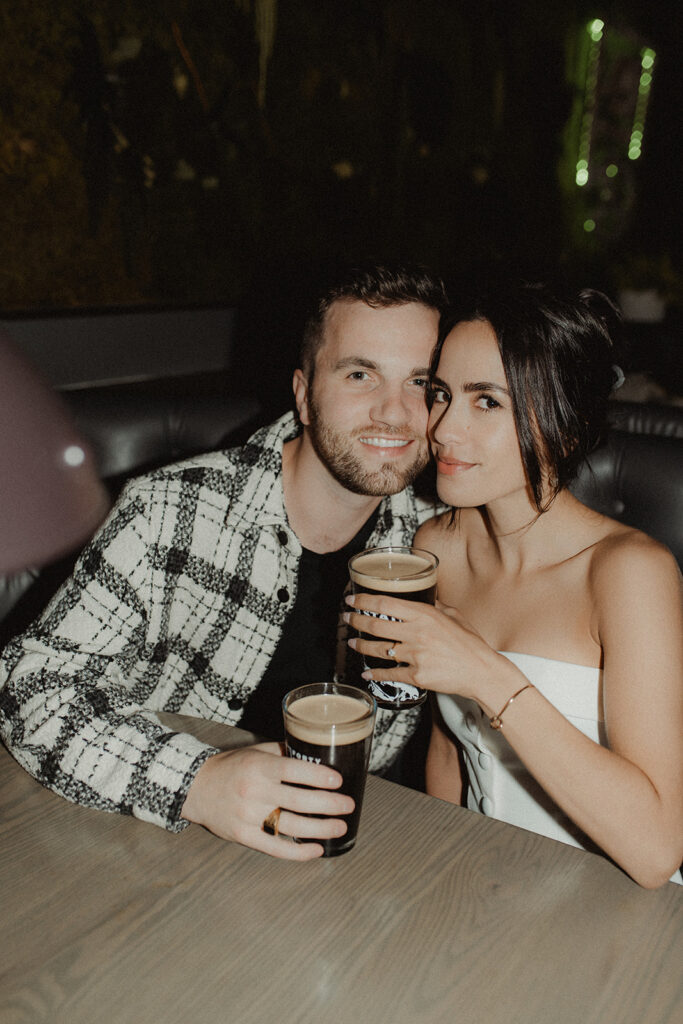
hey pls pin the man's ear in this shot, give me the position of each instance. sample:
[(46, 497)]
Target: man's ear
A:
[(300, 389)]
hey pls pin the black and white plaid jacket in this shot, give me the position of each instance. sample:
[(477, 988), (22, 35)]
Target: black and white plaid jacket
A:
[(177, 604)]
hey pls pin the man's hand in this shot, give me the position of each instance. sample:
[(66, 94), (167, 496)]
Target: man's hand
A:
[(235, 791)]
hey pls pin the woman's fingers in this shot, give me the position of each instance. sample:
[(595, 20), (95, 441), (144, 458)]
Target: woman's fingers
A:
[(391, 651)]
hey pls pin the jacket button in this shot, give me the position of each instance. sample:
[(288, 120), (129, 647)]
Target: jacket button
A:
[(283, 594), (234, 703), (486, 805), (282, 537)]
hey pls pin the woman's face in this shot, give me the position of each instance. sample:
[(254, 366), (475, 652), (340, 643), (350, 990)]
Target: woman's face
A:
[(472, 429)]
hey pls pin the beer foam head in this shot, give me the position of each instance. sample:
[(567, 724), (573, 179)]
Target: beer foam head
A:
[(329, 717), (398, 571)]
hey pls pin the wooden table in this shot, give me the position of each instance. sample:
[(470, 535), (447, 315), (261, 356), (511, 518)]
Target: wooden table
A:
[(438, 914)]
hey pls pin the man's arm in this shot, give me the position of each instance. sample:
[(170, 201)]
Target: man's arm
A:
[(79, 692), (70, 712)]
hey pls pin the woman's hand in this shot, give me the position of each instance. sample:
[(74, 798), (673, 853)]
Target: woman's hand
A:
[(434, 647)]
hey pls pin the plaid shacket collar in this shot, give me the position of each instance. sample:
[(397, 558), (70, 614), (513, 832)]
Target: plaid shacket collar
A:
[(262, 460)]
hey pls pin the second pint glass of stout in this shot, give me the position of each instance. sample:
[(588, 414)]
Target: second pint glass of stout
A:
[(332, 724), (408, 573)]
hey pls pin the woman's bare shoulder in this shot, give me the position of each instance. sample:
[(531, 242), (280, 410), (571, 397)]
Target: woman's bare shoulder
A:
[(629, 556), (442, 531)]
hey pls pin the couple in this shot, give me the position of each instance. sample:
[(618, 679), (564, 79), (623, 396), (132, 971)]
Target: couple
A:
[(196, 594)]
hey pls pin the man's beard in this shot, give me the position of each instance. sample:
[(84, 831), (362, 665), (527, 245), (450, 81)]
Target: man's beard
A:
[(334, 449)]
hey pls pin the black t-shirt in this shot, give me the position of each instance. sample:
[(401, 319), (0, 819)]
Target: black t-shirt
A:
[(307, 649)]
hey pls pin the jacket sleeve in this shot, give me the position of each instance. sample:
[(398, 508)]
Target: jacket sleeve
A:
[(76, 708)]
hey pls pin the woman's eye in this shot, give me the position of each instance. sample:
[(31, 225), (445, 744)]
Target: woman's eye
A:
[(486, 402), (437, 396)]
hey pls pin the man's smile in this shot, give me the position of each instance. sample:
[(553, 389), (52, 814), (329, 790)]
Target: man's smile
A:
[(386, 442)]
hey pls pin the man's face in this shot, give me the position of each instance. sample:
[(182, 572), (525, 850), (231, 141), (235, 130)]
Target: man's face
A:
[(365, 408)]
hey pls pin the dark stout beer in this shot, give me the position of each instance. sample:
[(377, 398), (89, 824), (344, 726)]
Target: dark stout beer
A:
[(410, 574), (333, 728)]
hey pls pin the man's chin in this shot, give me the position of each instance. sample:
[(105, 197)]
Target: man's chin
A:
[(387, 480)]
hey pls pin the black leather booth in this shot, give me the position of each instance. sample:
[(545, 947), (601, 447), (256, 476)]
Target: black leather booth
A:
[(132, 428), (139, 426), (636, 477)]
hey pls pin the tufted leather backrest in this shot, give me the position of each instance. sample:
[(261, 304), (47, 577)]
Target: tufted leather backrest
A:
[(637, 476), (133, 428)]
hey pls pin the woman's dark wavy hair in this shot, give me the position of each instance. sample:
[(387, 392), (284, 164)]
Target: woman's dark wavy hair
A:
[(559, 358)]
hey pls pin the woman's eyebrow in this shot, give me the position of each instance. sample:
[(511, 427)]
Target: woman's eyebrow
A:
[(485, 385)]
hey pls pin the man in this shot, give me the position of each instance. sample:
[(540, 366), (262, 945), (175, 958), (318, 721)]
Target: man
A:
[(215, 585)]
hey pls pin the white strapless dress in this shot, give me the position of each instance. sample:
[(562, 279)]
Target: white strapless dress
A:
[(499, 784)]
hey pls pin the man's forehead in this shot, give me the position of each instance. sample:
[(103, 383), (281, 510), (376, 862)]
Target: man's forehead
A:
[(355, 329)]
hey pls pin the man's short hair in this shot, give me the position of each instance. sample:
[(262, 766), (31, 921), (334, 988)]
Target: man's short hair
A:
[(376, 285)]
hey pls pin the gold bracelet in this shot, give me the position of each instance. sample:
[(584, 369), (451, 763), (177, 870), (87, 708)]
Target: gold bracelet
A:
[(497, 721)]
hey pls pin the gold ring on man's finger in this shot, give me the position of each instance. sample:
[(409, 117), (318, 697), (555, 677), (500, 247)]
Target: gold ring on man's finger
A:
[(272, 822)]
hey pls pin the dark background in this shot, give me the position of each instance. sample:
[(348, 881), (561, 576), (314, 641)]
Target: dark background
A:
[(222, 151)]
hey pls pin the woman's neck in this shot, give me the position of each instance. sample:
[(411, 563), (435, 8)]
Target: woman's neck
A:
[(522, 538)]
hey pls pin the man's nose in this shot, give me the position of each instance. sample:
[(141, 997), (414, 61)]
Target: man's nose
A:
[(390, 405)]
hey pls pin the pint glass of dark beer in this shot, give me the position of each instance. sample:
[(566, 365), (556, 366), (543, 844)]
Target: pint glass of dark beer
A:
[(332, 724), (408, 573)]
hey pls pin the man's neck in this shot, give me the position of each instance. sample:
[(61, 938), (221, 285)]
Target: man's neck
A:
[(323, 514)]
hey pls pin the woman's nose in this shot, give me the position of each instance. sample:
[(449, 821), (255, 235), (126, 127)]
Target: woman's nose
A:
[(447, 423)]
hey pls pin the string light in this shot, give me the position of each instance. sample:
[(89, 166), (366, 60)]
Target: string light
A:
[(595, 30), (647, 63)]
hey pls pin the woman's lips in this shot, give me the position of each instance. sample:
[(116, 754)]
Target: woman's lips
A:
[(451, 467)]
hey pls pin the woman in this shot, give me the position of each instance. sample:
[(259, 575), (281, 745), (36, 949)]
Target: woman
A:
[(556, 647)]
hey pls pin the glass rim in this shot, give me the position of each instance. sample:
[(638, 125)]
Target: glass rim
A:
[(397, 549), (363, 698)]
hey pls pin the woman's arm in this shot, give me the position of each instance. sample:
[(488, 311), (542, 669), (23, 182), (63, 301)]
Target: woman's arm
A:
[(628, 798), (443, 775)]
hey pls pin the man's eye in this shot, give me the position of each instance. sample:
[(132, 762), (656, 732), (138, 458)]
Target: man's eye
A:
[(437, 396), (487, 403), (359, 375), (420, 382)]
